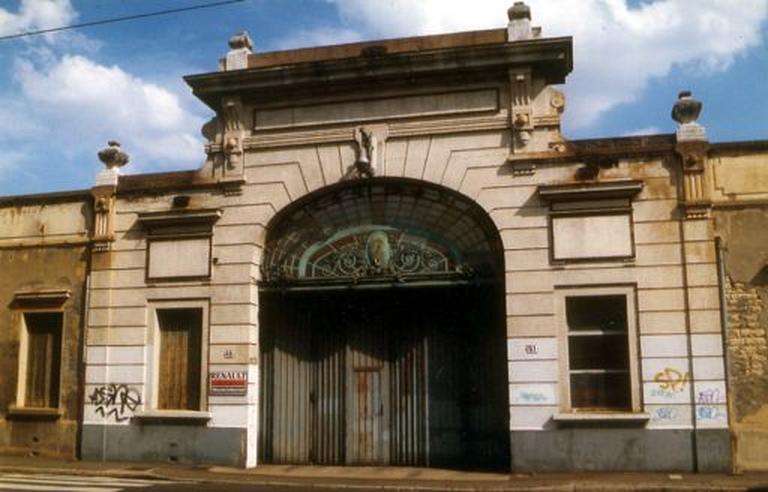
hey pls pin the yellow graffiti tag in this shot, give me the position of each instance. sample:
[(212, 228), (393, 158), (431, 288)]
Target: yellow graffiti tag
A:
[(671, 379)]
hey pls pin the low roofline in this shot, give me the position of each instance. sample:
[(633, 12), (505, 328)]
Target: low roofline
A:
[(739, 145), (54, 197)]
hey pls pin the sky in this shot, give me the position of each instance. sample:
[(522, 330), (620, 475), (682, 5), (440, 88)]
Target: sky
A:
[(64, 95)]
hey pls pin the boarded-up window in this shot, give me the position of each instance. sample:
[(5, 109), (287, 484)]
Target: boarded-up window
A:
[(180, 332), (598, 352), (592, 237), (43, 363), (179, 258)]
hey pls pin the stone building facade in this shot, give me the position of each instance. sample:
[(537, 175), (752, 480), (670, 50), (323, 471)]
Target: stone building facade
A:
[(739, 187), (44, 262), (392, 256)]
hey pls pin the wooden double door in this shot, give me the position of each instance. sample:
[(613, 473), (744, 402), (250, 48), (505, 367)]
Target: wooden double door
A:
[(377, 377)]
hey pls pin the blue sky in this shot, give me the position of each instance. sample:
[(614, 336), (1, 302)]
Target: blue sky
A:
[(63, 96)]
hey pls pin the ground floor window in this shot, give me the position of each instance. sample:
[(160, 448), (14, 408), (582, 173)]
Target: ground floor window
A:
[(179, 358), (42, 361), (599, 349)]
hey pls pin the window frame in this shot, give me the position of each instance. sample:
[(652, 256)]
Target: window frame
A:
[(629, 291), (153, 365), (23, 359)]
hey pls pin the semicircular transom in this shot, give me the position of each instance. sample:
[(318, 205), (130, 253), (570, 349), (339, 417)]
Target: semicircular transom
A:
[(381, 229)]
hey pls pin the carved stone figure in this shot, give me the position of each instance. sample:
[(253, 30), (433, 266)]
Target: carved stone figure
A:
[(366, 146)]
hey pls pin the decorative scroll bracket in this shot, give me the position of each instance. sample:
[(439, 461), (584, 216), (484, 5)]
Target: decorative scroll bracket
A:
[(225, 134)]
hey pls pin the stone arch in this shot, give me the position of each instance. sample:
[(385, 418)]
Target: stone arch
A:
[(383, 293)]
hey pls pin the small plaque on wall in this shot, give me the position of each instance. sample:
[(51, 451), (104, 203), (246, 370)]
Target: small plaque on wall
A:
[(228, 383)]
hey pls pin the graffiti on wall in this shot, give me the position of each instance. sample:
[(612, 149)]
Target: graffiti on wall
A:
[(710, 396), (670, 382), (115, 400), (666, 413), (710, 412)]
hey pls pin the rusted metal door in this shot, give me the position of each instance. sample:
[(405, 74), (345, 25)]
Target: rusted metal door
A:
[(366, 443), (367, 376)]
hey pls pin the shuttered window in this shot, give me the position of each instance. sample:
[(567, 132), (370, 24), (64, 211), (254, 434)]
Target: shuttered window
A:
[(43, 363), (180, 331)]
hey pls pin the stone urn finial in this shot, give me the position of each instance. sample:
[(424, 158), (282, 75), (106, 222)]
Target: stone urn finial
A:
[(519, 11), (112, 156), (240, 41), (686, 109)]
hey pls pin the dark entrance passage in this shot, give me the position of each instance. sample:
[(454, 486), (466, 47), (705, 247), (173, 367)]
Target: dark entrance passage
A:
[(384, 375), (382, 329)]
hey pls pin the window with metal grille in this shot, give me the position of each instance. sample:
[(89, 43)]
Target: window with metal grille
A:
[(180, 332), (43, 359)]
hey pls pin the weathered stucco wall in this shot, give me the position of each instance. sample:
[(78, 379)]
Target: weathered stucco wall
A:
[(43, 247), (745, 234)]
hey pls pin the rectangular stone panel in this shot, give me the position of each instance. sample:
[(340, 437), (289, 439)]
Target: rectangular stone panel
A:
[(377, 109), (533, 394), (530, 418), (663, 346), (669, 416), (533, 371), (532, 348), (594, 236), (531, 326), (179, 258)]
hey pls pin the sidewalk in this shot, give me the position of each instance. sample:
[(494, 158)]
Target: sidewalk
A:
[(391, 478)]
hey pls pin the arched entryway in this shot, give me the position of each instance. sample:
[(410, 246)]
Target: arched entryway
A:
[(383, 330)]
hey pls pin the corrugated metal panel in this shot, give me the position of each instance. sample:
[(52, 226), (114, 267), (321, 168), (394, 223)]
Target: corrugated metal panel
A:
[(382, 378), (328, 394), (408, 396)]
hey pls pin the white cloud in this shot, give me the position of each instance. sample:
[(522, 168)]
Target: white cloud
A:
[(618, 49), (86, 104), (35, 15), (648, 130)]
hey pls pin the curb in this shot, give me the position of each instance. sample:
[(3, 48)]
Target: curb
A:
[(311, 484), (129, 474)]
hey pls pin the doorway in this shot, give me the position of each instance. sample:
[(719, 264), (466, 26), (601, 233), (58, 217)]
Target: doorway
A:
[(383, 330), (384, 376)]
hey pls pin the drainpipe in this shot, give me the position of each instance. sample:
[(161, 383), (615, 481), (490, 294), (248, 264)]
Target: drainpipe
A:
[(81, 353), (721, 252), (689, 346)]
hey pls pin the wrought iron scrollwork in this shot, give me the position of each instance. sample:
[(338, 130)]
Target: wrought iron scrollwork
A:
[(370, 253)]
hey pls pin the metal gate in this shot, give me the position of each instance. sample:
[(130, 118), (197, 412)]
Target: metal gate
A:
[(380, 377)]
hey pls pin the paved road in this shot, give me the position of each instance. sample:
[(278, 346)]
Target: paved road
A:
[(66, 483)]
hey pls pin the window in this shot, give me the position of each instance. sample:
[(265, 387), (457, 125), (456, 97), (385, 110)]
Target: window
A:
[(179, 358), (41, 359), (599, 350)]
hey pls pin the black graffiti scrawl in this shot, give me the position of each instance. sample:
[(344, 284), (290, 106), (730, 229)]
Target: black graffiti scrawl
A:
[(115, 400)]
